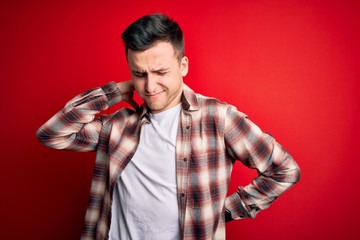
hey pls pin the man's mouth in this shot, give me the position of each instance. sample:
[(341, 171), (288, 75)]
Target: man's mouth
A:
[(154, 94)]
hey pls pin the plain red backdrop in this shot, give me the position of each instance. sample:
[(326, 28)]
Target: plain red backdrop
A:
[(292, 66)]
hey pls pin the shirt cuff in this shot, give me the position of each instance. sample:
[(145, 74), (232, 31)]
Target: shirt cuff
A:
[(112, 93)]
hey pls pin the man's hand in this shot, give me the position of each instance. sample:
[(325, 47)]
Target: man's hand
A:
[(127, 92)]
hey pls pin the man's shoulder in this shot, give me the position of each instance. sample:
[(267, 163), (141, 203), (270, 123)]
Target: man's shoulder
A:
[(200, 101), (214, 106), (208, 100)]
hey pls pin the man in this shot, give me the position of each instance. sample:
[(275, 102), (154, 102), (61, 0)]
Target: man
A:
[(162, 170)]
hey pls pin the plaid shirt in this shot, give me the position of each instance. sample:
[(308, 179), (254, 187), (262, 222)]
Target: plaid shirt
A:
[(211, 136)]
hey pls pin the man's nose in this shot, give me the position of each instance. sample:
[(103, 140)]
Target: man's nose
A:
[(150, 83)]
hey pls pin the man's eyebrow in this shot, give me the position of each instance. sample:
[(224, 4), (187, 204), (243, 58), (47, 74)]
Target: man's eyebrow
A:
[(141, 71), (138, 71), (160, 70)]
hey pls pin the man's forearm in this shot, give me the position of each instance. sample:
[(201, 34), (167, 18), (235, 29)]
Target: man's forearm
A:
[(75, 127)]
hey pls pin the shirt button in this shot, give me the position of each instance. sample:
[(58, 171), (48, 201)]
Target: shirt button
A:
[(183, 195), (187, 127), (184, 159)]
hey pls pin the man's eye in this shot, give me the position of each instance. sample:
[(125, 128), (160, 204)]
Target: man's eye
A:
[(139, 75)]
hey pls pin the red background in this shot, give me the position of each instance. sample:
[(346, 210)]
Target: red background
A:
[(292, 66)]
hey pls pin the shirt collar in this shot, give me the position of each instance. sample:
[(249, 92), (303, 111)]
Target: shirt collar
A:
[(189, 99)]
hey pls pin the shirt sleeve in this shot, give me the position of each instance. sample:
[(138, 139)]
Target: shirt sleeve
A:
[(76, 126), (277, 170)]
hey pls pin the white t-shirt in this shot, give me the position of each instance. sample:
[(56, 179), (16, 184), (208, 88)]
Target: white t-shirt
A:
[(145, 198)]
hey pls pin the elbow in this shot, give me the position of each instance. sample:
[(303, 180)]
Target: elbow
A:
[(293, 171), (45, 137), (51, 140), (42, 135), (298, 173), (287, 172)]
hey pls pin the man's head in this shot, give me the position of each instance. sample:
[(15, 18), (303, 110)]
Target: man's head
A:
[(155, 53), (148, 30)]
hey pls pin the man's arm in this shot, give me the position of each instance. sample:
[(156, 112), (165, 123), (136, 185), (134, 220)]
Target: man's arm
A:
[(277, 170), (76, 126)]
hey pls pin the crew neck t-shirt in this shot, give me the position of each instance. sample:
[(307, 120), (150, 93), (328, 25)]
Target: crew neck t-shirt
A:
[(145, 197)]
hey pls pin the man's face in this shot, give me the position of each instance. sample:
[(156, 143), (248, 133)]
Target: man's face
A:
[(157, 75)]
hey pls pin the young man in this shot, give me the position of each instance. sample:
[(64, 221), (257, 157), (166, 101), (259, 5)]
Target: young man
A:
[(162, 170)]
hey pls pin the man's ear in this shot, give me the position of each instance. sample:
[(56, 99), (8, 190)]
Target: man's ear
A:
[(184, 66)]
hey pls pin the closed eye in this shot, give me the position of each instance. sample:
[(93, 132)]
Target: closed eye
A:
[(139, 74), (161, 73)]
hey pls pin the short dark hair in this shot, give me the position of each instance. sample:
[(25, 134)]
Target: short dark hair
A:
[(147, 30)]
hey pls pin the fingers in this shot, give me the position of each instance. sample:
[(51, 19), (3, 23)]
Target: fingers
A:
[(126, 86), (127, 92)]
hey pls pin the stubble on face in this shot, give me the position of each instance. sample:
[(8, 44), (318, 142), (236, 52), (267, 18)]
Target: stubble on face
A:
[(158, 76)]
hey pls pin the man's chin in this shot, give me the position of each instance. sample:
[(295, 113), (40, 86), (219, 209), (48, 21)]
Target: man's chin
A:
[(154, 108)]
